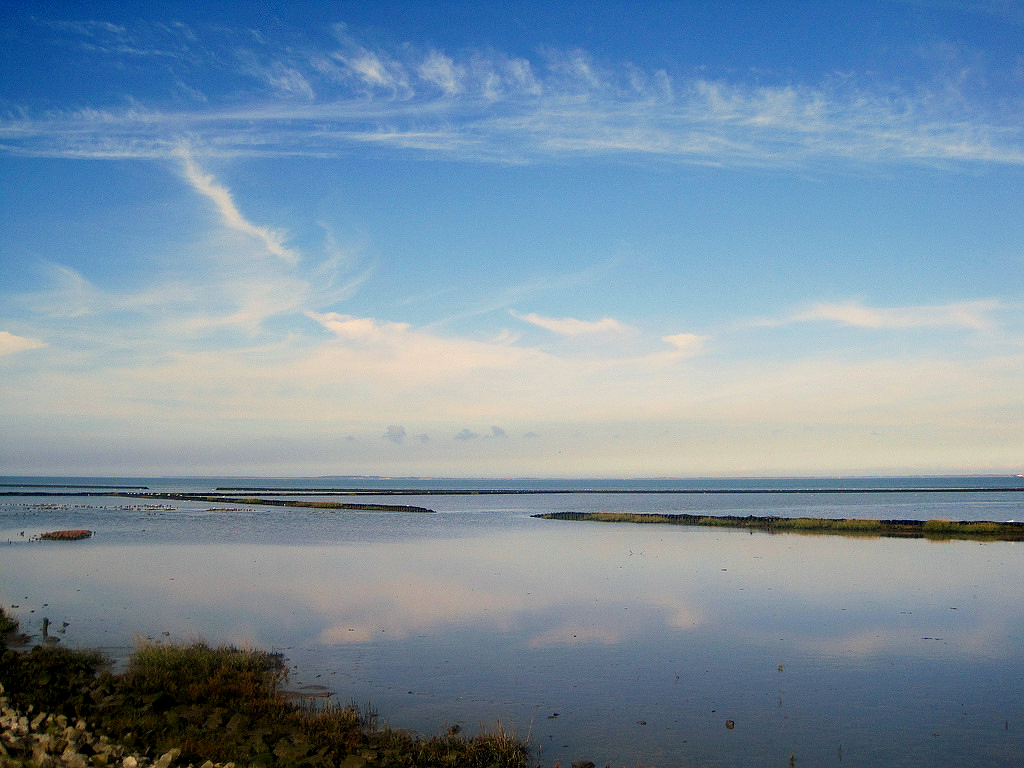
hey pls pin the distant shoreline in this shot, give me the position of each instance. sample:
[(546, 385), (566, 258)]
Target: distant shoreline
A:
[(230, 493), (72, 485), (528, 491)]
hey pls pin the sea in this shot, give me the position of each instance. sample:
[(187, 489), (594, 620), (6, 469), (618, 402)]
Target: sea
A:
[(621, 644)]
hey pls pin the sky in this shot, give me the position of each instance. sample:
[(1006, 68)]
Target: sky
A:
[(590, 239)]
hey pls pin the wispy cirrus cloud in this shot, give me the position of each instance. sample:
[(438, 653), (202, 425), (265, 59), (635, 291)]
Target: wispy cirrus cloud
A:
[(483, 105), (443, 72), (369, 68)]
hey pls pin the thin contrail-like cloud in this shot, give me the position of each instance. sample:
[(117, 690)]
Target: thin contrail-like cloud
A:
[(206, 184)]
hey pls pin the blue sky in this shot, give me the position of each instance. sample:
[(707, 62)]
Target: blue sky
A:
[(478, 240)]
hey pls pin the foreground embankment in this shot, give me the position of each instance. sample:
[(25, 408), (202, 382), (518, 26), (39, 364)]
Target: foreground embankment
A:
[(201, 706), (985, 530)]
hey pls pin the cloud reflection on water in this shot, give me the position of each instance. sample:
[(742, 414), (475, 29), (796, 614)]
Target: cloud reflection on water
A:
[(557, 585), (882, 641)]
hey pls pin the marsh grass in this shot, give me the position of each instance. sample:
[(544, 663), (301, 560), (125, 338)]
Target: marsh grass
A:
[(51, 678), (845, 525), (225, 704), (932, 529), (495, 748), (966, 528), (198, 672), (8, 626)]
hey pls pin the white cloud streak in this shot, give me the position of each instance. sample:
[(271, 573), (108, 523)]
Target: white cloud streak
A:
[(973, 315), (207, 185), (569, 326)]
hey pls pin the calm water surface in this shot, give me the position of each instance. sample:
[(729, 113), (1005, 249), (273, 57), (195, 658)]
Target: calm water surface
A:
[(620, 644)]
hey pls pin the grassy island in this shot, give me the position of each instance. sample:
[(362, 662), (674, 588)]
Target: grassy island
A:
[(937, 529), (197, 704)]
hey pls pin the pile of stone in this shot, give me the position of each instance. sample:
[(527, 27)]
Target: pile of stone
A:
[(44, 740)]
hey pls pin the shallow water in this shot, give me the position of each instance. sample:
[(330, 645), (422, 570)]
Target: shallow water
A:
[(620, 644)]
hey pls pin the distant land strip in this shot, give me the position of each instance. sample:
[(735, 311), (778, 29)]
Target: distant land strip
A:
[(52, 485), (221, 499), (526, 491), (939, 529)]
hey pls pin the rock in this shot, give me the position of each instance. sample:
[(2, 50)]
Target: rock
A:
[(41, 740), (45, 744), (73, 759), (167, 759)]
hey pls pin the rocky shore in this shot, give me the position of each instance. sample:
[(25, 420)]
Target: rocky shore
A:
[(42, 740)]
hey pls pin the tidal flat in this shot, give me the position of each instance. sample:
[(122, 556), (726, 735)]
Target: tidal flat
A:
[(621, 644)]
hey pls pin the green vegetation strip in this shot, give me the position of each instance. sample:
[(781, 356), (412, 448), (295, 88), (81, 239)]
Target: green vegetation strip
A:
[(224, 705), (939, 529)]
